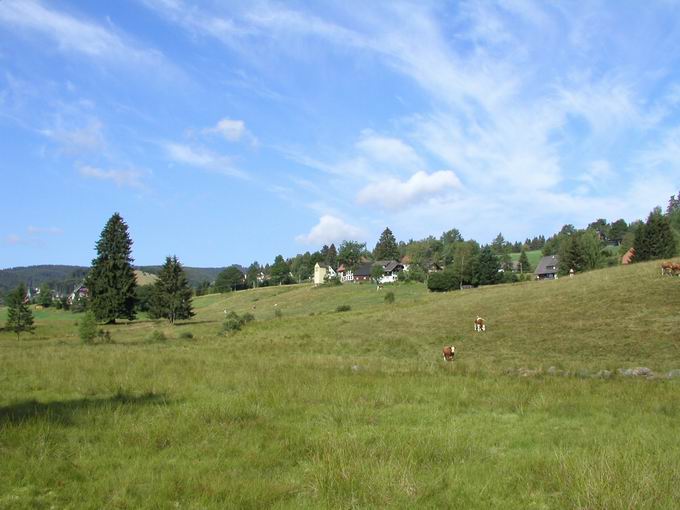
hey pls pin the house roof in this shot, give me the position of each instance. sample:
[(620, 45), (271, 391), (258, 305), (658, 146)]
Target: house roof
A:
[(545, 263), (363, 270), (391, 265)]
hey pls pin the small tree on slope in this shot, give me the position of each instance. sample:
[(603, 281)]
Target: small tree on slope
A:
[(19, 316), (171, 297)]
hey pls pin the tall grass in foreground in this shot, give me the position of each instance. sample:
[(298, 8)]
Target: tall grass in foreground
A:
[(355, 409)]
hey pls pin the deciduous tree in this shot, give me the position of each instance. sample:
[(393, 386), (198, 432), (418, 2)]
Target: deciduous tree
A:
[(229, 279)]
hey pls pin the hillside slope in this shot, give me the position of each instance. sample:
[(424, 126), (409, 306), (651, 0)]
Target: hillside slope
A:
[(621, 315), (325, 409)]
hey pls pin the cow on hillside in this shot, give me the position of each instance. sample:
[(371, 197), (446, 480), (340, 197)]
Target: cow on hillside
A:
[(449, 352), (480, 324), (667, 268)]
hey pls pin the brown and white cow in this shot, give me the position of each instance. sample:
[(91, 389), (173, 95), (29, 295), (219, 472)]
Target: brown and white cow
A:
[(667, 267), (449, 352), (480, 324)]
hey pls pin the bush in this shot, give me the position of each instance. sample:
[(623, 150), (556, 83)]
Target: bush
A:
[(343, 308), (442, 281), (187, 335), (389, 298), (278, 313), (156, 336), (332, 282), (415, 273), (87, 329), (233, 322), (104, 336)]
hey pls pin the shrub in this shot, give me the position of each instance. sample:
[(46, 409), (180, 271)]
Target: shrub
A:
[(278, 313), (332, 282), (156, 336), (187, 335), (442, 281), (389, 298), (104, 336), (233, 322), (343, 308), (87, 329)]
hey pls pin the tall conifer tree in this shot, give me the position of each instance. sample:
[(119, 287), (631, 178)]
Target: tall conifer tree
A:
[(171, 297), (524, 265), (111, 280), (386, 249), (487, 267), (19, 315), (654, 239)]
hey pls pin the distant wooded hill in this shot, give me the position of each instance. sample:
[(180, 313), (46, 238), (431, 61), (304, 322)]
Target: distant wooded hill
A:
[(64, 278)]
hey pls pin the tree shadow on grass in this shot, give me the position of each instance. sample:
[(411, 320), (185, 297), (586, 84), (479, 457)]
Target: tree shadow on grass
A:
[(63, 412)]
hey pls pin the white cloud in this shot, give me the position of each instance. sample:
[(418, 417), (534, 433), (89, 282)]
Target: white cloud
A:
[(393, 193), (121, 178), (203, 158), (389, 150), (73, 34), (44, 230), (78, 140), (331, 229), (230, 129)]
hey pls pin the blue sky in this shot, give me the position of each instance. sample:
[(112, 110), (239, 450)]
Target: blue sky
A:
[(228, 132)]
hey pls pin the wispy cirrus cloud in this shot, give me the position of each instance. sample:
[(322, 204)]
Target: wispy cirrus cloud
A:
[(199, 157), (44, 230), (122, 178), (33, 236), (78, 35), (77, 140)]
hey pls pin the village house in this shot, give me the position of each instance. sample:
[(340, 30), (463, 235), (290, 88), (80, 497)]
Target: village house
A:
[(321, 274), (547, 268)]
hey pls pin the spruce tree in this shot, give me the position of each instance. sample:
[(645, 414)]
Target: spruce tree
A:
[(487, 267), (654, 239), (111, 280), (19, 315), (332, 257), (386, 249), (571, 255), (524, 265), (171, 296)]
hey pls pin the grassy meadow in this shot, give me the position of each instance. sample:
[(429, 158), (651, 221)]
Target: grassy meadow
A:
[(533, 256), (357, 409)]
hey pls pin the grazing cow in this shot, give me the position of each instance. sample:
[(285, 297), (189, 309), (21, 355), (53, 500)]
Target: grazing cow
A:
[(667, 267), (480, 324), (449, 352)]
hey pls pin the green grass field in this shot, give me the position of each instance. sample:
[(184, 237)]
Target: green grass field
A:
[(533, 256), (321, 409)]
